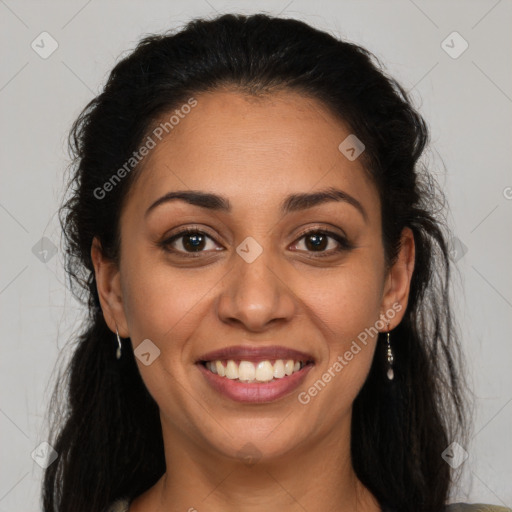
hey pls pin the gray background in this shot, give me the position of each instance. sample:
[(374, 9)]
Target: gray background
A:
[(467, 102)]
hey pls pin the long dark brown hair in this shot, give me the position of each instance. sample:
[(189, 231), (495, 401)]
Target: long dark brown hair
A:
[(107, 429)]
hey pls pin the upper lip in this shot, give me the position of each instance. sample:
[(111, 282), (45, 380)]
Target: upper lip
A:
[(256, 354)]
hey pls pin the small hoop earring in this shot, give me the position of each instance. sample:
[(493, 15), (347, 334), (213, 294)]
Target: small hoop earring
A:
[(390, 373), (118, 351)]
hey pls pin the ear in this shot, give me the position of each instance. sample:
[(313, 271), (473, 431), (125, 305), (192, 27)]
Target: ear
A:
[(398, 280), (108, 284)]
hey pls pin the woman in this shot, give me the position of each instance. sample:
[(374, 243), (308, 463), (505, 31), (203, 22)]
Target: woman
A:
[(267, 281)]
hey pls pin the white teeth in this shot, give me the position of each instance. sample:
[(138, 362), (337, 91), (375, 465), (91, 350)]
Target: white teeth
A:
[(232, 370), (246, 371), (279, 369), (264, 371), (220, 368)]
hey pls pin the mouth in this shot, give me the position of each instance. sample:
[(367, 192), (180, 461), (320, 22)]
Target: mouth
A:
[(255, 364), (255, 374)]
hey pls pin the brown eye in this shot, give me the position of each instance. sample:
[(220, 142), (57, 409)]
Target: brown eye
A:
[(320, 242), (316, 241), (188, 241), (193, 242)]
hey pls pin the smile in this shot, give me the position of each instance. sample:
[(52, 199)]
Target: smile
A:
[(260, 382), (247, 371)]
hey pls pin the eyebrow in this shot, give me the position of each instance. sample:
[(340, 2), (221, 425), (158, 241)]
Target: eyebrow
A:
[(292, 203)]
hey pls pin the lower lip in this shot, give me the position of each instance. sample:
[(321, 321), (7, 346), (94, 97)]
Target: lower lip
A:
[(255, 393)]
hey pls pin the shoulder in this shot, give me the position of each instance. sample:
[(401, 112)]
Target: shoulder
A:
[(476, 507), (120, 505)]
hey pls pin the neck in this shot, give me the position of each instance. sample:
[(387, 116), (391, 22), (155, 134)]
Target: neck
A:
[(318, 476)]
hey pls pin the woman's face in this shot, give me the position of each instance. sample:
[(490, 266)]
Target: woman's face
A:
[(251, 278)]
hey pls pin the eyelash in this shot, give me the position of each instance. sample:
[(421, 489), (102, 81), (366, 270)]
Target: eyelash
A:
[(344, 244)]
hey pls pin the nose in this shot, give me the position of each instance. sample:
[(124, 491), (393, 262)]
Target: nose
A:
[(256, 294)]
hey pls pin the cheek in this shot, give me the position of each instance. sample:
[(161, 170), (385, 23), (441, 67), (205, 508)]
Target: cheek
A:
[(346, 307), (346, 301), (161, 303), (165, 306)]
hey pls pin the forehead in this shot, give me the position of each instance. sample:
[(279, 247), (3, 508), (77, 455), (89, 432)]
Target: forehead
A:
[(240, 146)]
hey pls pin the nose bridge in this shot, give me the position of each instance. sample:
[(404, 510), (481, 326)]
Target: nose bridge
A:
[(254, 294)]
